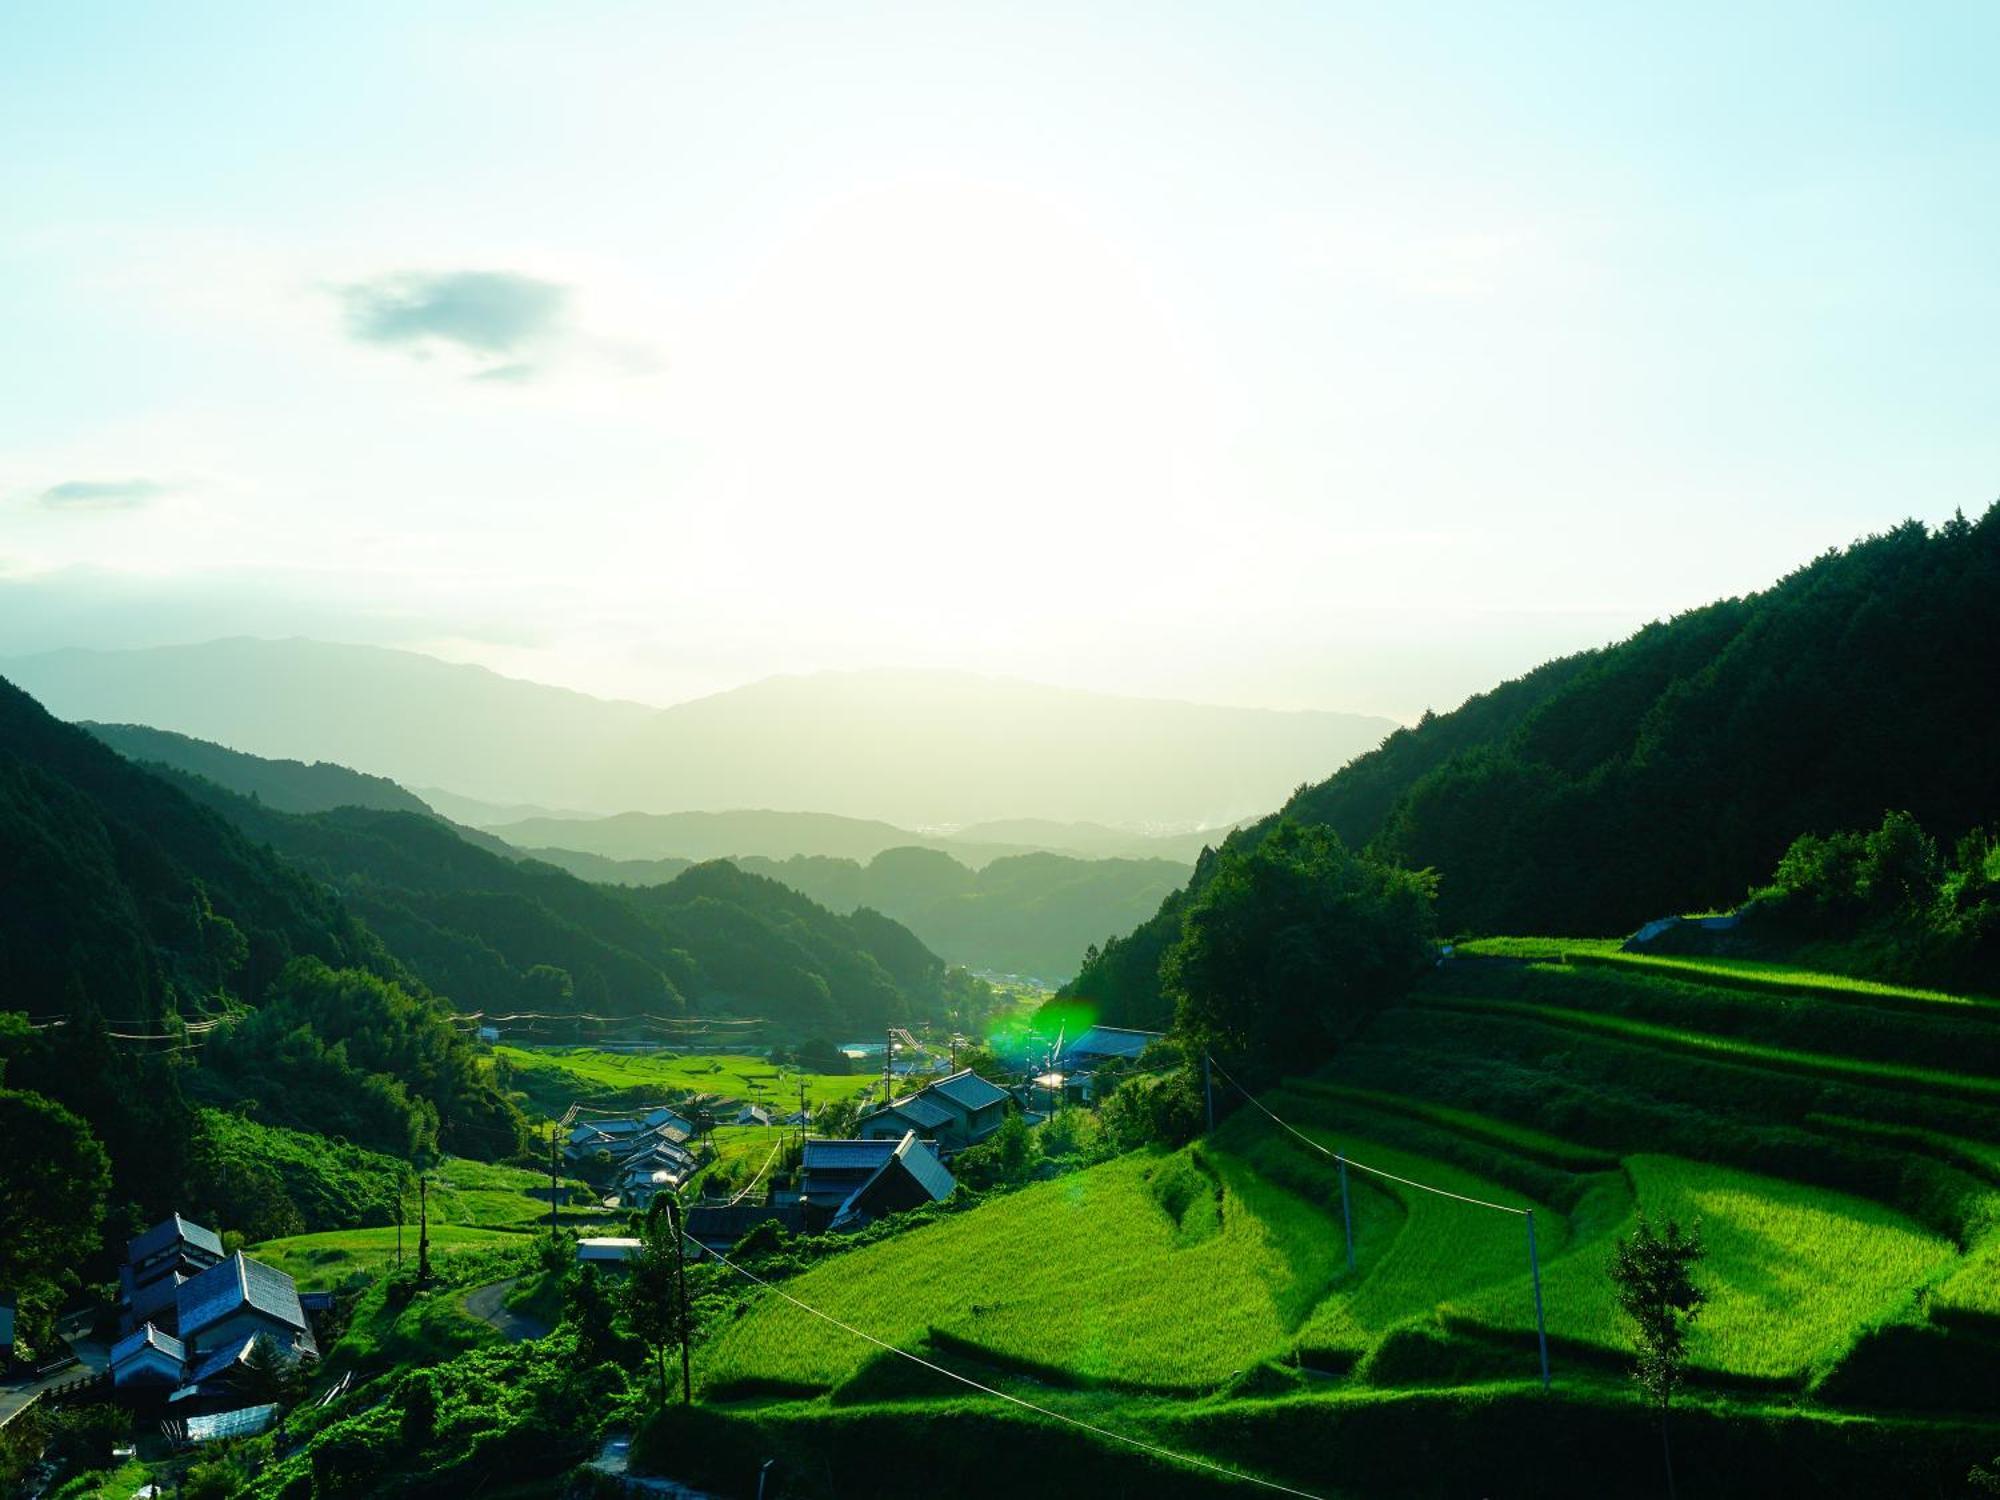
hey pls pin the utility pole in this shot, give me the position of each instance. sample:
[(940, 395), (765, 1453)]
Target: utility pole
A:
[(399, 1224), (1535, 1271), (1208, 1089), (1346, 1213), (423, 1229), (681, 1279), (553, 1188), (888, 1066)]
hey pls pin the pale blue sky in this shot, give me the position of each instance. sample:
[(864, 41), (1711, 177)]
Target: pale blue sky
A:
[(1334, 355)]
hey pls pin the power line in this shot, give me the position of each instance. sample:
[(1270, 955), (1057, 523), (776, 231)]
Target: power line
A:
[(1090, 1427), (1361, 1166)]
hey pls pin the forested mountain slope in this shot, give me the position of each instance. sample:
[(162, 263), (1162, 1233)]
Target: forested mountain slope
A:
[(1670, 771), (497, 933), (156, 959), (286, 785)]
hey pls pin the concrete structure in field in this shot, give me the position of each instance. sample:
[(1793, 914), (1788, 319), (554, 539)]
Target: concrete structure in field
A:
[(608, 1252), (955, 1112)]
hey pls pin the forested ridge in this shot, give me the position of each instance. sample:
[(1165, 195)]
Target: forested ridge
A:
[(486, 928), (1671, 771)]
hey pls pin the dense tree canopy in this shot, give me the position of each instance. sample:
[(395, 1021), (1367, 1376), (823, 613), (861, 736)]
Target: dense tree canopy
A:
[(1292, 944), (1669, 772)]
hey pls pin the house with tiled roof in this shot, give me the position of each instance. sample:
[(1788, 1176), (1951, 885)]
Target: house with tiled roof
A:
[(157, 1262), (1100, 1044), (909, 1177), (832, 1171), (241, 1298), (959, 1111), (147, 1359)]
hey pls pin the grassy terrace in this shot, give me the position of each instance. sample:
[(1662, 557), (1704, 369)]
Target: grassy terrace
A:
[(1984, 1089), (1634, 1094), (1733, 973), (556, 1077)]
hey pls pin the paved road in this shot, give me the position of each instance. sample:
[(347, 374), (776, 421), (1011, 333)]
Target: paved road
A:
[(489, 1305), (612, 1461), (92, 1357)]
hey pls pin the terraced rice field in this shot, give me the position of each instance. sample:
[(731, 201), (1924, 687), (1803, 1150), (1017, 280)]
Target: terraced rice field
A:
[(1844, 1189), (559, 1076), (1092, 1275)]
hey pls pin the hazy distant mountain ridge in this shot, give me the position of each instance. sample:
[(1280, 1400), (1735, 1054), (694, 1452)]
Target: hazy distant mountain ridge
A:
[(917, 749), (286, 785)]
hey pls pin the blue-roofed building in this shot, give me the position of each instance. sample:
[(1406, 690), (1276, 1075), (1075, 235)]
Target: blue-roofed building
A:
[(831, 1170), (239, 1299), (956, 1112), (156, 1263), (909, 1177), (147, 1358), (1102, 1044)]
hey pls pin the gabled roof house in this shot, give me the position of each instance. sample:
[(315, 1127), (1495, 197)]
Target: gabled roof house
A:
[(956, 1112)]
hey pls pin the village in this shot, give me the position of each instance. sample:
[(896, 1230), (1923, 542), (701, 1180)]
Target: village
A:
[(204, 1342)]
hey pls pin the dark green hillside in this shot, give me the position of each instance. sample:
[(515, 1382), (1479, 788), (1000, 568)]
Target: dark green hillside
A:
[(486, 929), (156, 958), (286, 785), (127, 894), (1672, 770)]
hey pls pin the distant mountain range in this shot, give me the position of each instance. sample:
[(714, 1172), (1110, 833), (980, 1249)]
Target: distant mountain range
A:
[(919, 749), (783, 835), (1026, 912)]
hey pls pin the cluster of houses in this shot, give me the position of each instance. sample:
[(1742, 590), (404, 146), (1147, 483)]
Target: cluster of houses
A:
[(896, 1160), (646, 1153), (190, 1315)]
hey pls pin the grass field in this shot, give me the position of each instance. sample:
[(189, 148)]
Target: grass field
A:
[(556, 1077), (1895, 1075), (1600, 1106), (321, 1262), (1128, 1273)]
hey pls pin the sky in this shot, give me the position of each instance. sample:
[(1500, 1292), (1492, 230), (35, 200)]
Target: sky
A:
[(1336, 355)]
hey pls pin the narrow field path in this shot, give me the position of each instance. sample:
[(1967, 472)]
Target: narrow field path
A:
[(489, 1305)]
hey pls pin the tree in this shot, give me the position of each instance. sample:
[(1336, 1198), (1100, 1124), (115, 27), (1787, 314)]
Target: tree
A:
[(270, 1374), (1294, 943), (587, 1309), (1652, 1275), (53, 1180), (652, 1288)]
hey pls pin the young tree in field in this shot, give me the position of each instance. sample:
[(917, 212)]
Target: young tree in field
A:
[(1652, 1275)]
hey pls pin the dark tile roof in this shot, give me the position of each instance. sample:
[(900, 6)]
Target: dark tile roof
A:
[(217, 1361), (169, 1232), (1111, 1041), (140, 1338), (912, 1158), (968, 1090), (158, 1296), (919, 1111), (841, 1155), (239, 1282)]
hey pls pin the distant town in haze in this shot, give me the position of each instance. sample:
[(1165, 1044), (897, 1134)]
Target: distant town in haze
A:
[(781, 753)]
